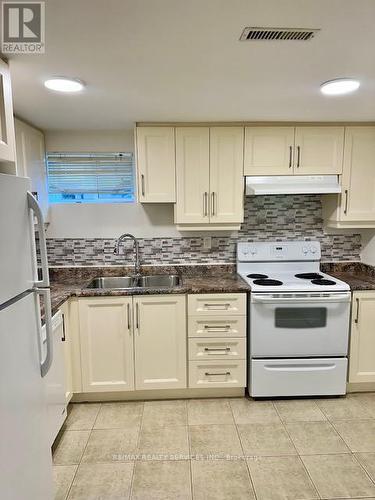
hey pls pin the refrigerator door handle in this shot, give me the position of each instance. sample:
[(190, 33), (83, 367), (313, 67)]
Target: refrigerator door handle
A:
[(45, 364), (34, 206)]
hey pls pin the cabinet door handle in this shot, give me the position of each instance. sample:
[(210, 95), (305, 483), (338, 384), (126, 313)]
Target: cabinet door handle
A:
[(290, 156), (213, 203), (207, 374), (143, 184), (137, 316), (357, 316), (205, 204), (298, 155), (63, 338), (128, 312), (346, 202)]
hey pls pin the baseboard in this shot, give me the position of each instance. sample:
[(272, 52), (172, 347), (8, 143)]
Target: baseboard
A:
[(361, 387)]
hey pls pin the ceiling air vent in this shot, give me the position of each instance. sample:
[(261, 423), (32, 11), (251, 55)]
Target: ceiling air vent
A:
[(259, 33)]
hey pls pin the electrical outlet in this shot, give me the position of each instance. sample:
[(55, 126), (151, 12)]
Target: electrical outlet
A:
[(207, 243)]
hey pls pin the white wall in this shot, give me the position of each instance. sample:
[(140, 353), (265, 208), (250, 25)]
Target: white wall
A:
[(368, 247), (107, 220)]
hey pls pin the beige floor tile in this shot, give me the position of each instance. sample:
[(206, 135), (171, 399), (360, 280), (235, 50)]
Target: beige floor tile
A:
[(359, 435), (117, 415), (81, 416), (63, 477), (368, 462), (102, 481), (346, 408), (164, 413), (217, 440), (111, 445), (367, 400), (162, 481), (246, 411), (316, 438), (70, 448), (338, 476), (209, 411), (265, 440), (221, 480), (300, 410), (167, 443), (280, 478)]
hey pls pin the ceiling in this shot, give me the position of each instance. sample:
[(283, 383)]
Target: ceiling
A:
[(181, 60)]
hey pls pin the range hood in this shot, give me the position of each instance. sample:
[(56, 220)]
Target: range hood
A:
[(292, 184)]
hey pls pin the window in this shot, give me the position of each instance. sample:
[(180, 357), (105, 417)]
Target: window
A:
[(90, 177)]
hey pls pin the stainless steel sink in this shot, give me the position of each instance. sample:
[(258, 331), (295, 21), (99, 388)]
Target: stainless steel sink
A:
[(126, 282)]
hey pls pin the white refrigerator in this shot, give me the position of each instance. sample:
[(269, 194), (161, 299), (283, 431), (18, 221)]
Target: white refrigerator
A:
[(25, 453)]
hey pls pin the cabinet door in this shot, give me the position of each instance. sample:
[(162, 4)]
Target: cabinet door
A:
[(362, 343), (269, 150), (358, 186), (156, 164), (67, 350), (160, 342), (31, 161), (192, 175), (318, 150), (7, 141), (106, 344), (226, 174)]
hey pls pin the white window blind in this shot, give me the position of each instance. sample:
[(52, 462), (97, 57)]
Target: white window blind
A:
[(90, 177)]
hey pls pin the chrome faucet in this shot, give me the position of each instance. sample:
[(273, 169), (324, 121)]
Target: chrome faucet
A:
[(137, 262)]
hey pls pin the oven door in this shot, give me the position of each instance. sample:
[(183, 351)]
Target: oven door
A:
[(295, 325)]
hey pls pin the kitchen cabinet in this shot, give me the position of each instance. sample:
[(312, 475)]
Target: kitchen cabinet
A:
[(297, 150), (362, 340), (31, 161), (209, 175), (355, 207), (217, 340), (106, 338), (160, 342), (7, 139), (156, 166), (67, 353)]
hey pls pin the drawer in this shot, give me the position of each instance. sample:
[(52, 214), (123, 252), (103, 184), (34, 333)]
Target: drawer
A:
[(298, 377), (217, 373), (211, 304), (218, 326), (217, 348)]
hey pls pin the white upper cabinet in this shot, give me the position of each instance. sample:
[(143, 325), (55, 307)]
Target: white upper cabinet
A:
[(318, 150), (7, 141), (106, 336), (358, 180), (160, 342), (226, 174), (156, 164), (31, 161), (293, 150), (269, 150), (192, 175)]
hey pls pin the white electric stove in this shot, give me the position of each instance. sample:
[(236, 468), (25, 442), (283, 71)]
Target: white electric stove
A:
[(298, 320)]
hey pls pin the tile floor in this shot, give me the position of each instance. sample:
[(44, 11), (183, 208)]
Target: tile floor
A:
[(222, 449)]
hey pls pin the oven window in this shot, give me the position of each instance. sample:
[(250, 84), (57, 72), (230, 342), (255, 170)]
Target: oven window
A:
[(301, 317)]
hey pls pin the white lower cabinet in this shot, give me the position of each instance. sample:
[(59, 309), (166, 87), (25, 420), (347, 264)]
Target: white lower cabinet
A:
[(106, 335), (362, 340)]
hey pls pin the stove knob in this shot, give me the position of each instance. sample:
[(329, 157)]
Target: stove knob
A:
[(312, 250), (253, 251), (305, 250)]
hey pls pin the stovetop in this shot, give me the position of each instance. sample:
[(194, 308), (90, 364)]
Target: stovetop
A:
[(285, 267)]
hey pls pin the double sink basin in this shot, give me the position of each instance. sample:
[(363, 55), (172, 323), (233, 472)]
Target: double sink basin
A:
[(134, 282)]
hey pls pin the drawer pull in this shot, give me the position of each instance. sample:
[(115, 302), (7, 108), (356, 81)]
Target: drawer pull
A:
[(217, 328), (224, 350), (217, 306), (207, 374)]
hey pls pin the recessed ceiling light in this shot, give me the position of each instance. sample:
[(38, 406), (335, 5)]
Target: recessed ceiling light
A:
[(62, 84), (339, 86)]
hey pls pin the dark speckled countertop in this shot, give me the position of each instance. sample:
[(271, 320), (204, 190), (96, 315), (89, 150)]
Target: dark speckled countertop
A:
[(69, 282), (72, 282)]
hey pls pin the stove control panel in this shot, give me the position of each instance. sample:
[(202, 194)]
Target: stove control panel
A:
[(278, 251)]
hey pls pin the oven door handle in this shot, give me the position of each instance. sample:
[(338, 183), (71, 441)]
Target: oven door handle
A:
[(296, 300)]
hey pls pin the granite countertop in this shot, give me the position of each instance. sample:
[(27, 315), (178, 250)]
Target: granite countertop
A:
[(72, 282), (357, 275)]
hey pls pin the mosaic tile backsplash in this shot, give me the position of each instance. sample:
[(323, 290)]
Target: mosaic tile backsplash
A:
[(277, 217)]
